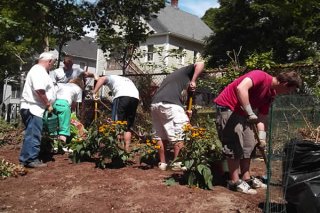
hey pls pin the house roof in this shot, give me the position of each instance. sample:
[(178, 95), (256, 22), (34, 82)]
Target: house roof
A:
[(86, 47), (175, 21)]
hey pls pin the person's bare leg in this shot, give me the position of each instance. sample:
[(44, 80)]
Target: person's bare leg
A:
[(127, 140), (161, 151), (233, 165), (176, 149), (245, 168)]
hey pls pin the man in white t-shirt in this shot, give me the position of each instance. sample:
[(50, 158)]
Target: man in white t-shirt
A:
[(125, 100), (37, 96), (67, 96), (67, 72)]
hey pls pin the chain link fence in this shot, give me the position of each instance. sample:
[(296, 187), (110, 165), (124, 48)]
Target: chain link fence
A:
[(288, 117)]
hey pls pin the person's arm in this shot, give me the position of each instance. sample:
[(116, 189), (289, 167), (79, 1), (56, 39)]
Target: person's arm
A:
[(261, 127), (101, 81), (88, 74), (43, 98), (198, 68), (73, 106), (243, 97)]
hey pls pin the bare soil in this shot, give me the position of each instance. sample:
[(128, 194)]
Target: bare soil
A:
[(67, 187)]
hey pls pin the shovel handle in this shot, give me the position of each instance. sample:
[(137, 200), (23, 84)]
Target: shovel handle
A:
[(261, 149), (190, 103)]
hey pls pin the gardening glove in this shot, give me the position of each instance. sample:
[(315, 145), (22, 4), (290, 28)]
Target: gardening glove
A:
[(262, 139), (252, 118)]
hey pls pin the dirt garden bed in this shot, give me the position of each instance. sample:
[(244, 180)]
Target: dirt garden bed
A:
[(67, 187)]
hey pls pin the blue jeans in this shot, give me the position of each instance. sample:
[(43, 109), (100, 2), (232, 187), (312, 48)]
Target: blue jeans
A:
[(32, 137)]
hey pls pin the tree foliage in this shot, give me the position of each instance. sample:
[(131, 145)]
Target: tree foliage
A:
[(68, 20), (26, 27), (121, 28), (288, 27)]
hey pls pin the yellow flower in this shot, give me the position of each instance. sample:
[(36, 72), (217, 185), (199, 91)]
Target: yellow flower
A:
[(157, 147), (187, 127), (101, 129)]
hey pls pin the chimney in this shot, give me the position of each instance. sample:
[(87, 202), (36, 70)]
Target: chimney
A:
[(174, 3)]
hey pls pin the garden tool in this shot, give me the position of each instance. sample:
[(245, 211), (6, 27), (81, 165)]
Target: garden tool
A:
[(95, 109), (189, 106), (261, 149)]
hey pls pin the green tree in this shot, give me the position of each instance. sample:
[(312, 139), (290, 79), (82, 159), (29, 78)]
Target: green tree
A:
[(208, 17), (121, 26), (68, 20), (289, 28), (19, 37)]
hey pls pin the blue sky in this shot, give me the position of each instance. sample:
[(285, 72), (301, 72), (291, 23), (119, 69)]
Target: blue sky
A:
[(197, 7)]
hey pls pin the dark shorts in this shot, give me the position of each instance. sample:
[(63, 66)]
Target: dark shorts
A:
[(124, 109), (236, 134)]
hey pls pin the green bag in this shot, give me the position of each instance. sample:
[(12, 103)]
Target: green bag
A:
[(50, 122)]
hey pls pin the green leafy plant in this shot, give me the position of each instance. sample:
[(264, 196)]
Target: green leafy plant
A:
[(8, 169), (263, 61), (216, 82), (201, 149)]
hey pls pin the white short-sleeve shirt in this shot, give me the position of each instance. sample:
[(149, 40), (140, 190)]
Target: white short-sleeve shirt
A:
[(121, 86), (61, 76), (69, 92), (37, 79)]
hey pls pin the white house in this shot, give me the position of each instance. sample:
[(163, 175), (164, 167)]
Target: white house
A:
[(174, 29)]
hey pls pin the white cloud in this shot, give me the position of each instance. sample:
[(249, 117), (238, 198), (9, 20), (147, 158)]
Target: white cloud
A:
[(197, 7)]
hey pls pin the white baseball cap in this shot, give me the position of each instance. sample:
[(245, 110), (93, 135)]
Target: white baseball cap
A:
[(47, 56)]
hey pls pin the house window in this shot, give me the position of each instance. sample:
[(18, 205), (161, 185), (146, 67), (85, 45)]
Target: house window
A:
[(82, 65), (15, 92), (150, 53)]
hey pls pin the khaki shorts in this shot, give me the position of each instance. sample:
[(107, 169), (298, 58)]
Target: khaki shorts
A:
[(168, 121), (236, 135)]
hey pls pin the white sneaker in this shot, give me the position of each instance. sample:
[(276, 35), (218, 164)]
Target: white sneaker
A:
[(162, 166), (242, 186), (67, 150), (256, 183), (177, 166)]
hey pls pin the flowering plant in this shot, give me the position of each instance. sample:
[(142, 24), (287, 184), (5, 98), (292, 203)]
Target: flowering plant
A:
[(201, 149), (103, 142), (147, 147)]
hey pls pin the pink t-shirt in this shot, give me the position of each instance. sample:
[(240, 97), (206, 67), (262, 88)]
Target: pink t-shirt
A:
[(260, 95)]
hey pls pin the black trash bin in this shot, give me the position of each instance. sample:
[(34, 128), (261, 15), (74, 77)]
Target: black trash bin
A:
[(301, 175)]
